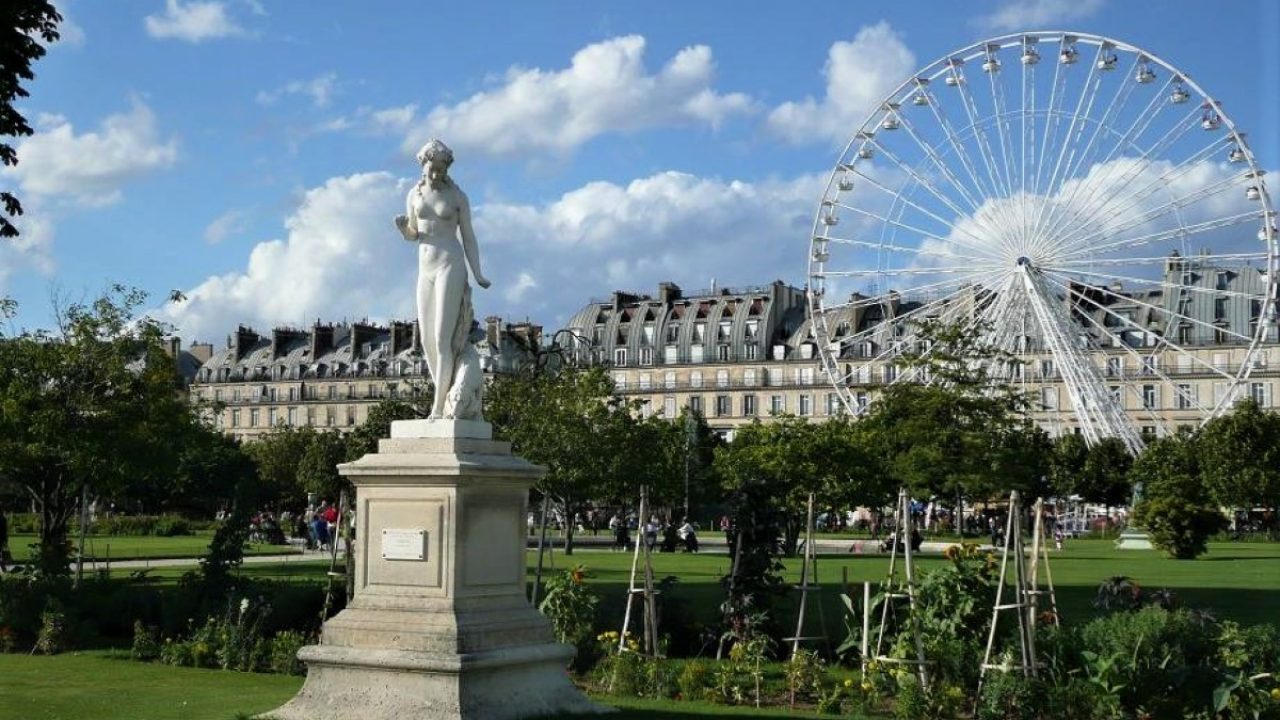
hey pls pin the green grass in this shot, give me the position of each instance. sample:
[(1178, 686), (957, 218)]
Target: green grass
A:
[(109, 686), (106, 685), (143, 547)]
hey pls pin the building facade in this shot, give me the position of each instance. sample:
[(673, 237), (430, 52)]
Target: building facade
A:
[(1169, 354), (329, 376)]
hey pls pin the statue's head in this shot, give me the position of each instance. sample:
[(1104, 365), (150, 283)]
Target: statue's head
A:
[(435, 158)]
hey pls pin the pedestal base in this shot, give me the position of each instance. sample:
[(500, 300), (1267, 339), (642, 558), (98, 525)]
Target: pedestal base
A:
[(1134, 539), (397, 685)]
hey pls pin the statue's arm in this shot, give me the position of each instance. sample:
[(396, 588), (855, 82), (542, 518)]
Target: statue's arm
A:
[(469, 247), (407, 224)]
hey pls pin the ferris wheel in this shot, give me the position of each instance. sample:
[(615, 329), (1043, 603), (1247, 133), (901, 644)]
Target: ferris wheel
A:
[(1083, 206)]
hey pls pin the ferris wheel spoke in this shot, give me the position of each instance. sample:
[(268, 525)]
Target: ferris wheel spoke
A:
[(901, 248), (1180, 317), (1162, 284), (894, 348), (1053, 120), (932, 153), (985, 249), (961, 150), (1175, 205), (1068, 264), (1133, 199), (1075, 256), (975, 322), (969, 271), (1143, 365), (1002, 131), (926, 289), (911, 228), (921, 310), (1091, 83), (984, 147)]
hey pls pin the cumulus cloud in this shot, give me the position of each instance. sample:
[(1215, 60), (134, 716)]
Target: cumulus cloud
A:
[(194, 21), (606, 88), (91, 167), (859, 74), (341, 258), (231, 222), (319, 90), (336, 260), (33, 248), (69, 31), (1017, 15)]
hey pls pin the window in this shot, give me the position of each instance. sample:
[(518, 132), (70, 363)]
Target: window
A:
[(806, 376), (722, 378), (1148, 432), (620, 381), (271, 417), (723, 406), (293, 416), (749, 405), (722, 353), (695, 403), (1149, 397), (1117, 393), (866, 349), (351, 415), (1046, 368), (271, 394), (749, 377), (695, 379), (293, 394), (699, 333), (775, 376), (890, 373), (1150, 365), (644, 381), (217, 395), (328, 417), (620, 357), (1219, 308), (1220, 361), (806, 405), (751, 351), (646, 337), (806, 351), (669, 407), (673, 333), (834, 406), (1115, 366), (1221, 280), (1185, 397), (253, 417), (646, 356), (777, 404), (695, 353), (1049, 398), (1259, 393), (235, 418), (725, 331), (668, 379), (779, 352), (670, 354), (1184, 334)]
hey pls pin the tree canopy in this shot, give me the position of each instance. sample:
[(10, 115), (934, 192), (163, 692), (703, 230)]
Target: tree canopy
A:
[(23, 24)]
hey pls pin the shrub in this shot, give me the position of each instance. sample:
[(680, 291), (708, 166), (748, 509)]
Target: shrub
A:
[(911, 702), (570, 606), (1179, 526), (55, 630), (146, 642), (1011, 696), (284, 653), (693, 680), (176, 652), (805, 673)]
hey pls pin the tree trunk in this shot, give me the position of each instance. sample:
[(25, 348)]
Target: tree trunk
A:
[(568, 529)]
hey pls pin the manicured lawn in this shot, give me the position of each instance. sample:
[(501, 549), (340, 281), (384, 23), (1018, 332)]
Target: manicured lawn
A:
[(107, 686), (138, 547)]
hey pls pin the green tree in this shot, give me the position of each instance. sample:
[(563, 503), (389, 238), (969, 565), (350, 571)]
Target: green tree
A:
[(1240, 456), (90, 410), (211, 465), (1104, 478), (318, 467), (1066, 464), (569, 420), (377, 425), (278, 455), (23, 24), (1175, 505)]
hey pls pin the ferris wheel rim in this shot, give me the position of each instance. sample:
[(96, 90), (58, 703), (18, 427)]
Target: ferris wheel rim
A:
[(891, 105)]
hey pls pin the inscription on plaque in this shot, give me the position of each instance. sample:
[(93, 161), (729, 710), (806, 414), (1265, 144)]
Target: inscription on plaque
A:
[(404, 544)]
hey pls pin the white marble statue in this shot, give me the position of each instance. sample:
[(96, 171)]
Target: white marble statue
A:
[(439, 220)]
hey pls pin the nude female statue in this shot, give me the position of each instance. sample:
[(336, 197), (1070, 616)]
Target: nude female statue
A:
[(439, 219)]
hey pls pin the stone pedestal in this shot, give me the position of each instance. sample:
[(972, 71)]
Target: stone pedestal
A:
[(439, 626), (1134, 539)]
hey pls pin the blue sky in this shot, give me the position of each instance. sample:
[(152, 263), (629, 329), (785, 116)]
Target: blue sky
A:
[(252, 153)]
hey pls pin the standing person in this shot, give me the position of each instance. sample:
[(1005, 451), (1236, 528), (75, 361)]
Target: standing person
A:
[(330, 516), (1058, 538), (689, 535), (5, 559)]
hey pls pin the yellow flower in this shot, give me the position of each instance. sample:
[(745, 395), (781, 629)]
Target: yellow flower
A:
[(848, 682), (1275, 694), (866, 686)]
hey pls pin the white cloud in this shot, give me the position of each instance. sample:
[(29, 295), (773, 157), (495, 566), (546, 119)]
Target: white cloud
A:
[(606, 88), (91, 167), (518, 291), (1015, 15), (320, 90), (193, 21), (859, 74), (231, 222), (341, 257), (33, 248), (69, 31)]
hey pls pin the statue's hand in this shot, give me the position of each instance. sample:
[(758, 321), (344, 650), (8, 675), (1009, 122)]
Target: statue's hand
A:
[(483, 281), (402, 224)]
